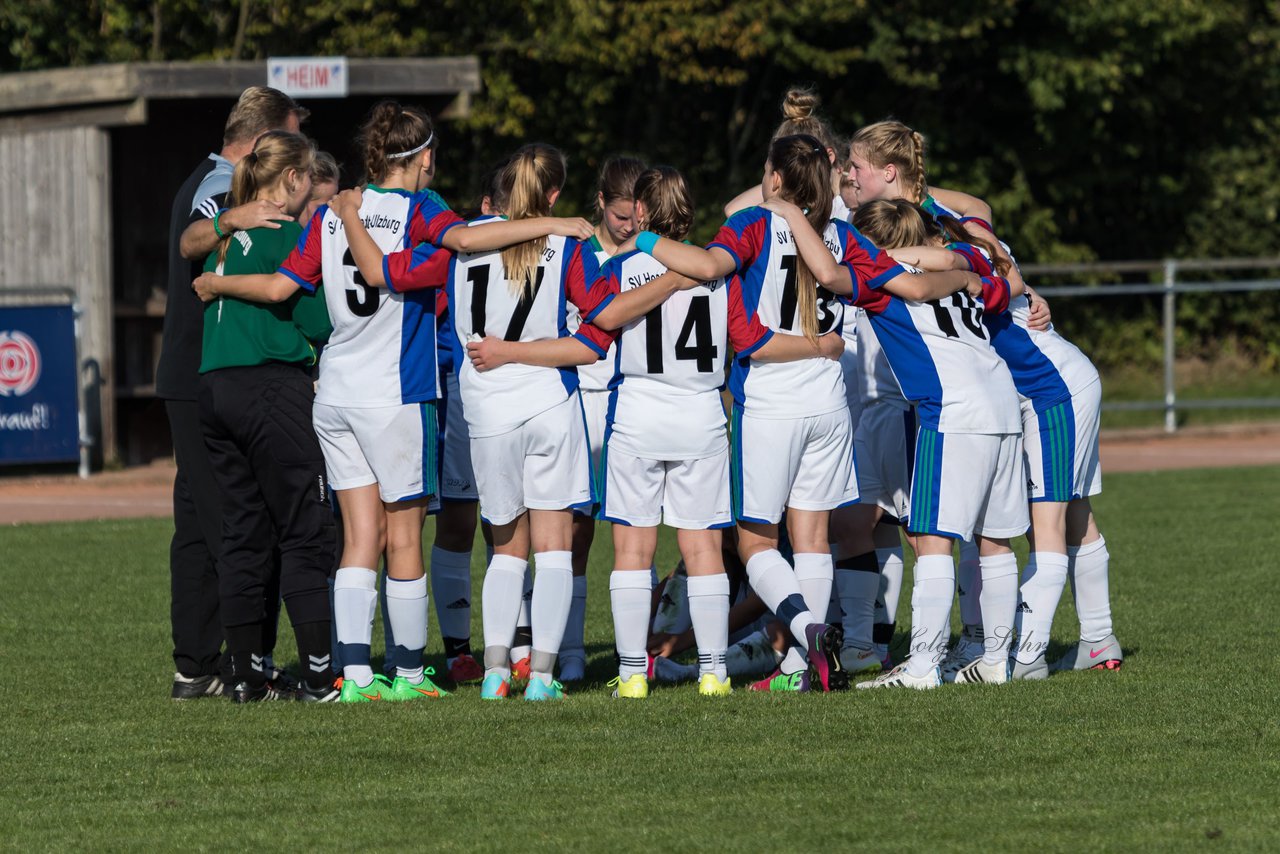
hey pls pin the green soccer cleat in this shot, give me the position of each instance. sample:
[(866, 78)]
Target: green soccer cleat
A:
[(634, 687), (402, 689), (711, 686), (539, 690), (378, 689), (784, 683)]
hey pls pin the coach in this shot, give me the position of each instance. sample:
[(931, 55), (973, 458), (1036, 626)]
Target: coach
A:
[(195, 223)]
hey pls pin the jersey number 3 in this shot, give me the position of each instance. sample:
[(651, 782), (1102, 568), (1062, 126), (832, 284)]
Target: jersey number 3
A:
[(693, 344), (362, 300)]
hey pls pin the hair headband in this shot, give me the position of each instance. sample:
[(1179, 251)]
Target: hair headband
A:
[(430, 139)]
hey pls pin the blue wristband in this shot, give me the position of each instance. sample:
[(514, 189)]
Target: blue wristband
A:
[(645, 241)]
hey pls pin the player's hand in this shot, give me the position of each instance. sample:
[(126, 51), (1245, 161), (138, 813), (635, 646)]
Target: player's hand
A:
[(663, 644), (348, 201), (575, 227), (206, 286), (782, 208), (973, 284), (1039, 318), (488, 353), (259, 214), (831, 346)]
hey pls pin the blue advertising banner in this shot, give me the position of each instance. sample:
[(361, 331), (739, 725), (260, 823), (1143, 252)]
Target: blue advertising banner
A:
[(39, 421)]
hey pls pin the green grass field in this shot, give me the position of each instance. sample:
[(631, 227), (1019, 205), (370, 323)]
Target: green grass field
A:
[(1179, 750)]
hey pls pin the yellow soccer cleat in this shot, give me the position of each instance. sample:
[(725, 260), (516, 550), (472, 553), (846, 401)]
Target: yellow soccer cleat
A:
[(634, 687), (711, 686)]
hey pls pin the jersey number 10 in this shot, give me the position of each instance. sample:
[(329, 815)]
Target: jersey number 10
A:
[(967, 307)]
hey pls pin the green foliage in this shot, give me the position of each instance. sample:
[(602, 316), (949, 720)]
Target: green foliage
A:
[(1126, 129)]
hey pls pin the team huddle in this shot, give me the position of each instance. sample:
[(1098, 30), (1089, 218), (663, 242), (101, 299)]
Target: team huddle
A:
[(892, 378)]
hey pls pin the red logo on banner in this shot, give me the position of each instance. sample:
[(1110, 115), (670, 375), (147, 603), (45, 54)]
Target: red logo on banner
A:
[(19, 364)]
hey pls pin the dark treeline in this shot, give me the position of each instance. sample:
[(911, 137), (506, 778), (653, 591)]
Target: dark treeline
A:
[(1110, 130)]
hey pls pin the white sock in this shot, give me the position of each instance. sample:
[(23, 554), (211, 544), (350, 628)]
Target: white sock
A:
[(451, 590), (549, 610), (709, 613), (1042, 581), (774, 581), (629, 597), (858, 589), (1089, 564), (969, 585), (407, 613), (999, 605), (751, 656), (891, 568), (794, 661), (573, 643), (355, 596), (935, 585), (815, 574), (520, 649), (499, 610)]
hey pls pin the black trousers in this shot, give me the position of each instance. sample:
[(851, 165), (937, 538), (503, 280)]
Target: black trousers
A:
[(197, 539), (268, 463)]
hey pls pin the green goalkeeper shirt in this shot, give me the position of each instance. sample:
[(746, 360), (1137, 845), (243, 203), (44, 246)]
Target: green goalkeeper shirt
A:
[(239, 333)]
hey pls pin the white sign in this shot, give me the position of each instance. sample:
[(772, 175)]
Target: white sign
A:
[(308, 76)]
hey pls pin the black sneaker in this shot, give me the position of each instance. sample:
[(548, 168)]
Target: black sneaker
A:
[(243, 692), (194, 687), (282, 679), (324, 694)]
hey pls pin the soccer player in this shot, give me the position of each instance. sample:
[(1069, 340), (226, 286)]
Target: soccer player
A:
[(792, 437), (967, 477), (615, 205), (255, 407), (528, 443)]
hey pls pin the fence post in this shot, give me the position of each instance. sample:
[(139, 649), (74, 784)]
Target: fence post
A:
[(1170, 318)]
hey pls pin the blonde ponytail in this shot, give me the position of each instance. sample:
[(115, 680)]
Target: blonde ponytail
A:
[(802, 163), (275, 153), (532, 174)]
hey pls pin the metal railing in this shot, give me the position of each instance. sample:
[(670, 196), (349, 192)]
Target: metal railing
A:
[(1169, 289)]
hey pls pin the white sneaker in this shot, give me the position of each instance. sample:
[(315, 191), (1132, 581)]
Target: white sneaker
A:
[(967, 650), (898, 677), (860, 661), (1036, 669), (978, 672), (1103, 655)]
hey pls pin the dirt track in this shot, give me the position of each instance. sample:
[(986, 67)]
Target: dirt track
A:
[(148, 491)]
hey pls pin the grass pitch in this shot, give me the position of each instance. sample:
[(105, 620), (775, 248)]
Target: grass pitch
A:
[(1180, 749)]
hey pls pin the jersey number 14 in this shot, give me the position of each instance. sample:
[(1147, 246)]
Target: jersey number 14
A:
[(694, 343)]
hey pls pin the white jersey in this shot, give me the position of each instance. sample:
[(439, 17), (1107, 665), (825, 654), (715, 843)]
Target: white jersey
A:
[(839, 210), (596, 376), (1047, 368), (480, 298), (666, 392), (876, 381), (943, 360), (382, 351), (763, 246)]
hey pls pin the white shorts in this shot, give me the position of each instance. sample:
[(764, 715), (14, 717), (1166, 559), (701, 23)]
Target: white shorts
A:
[(392, 446), (1061, 447), (968, 483), (457, 478), (595, 410), (802, 463), (690, 494), (884, 443), (541, 465)]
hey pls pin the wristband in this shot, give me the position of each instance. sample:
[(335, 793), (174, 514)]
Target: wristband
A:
[(216, 217), (645, 241)]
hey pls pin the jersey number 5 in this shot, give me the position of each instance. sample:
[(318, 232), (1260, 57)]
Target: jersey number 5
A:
[(362, 300), (694, 343), (478, 278)]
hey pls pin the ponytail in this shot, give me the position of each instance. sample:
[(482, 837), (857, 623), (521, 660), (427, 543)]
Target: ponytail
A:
[(893, 142), (667, 202), (532, 174), (275, 153), (391, 135), (802, 163)]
